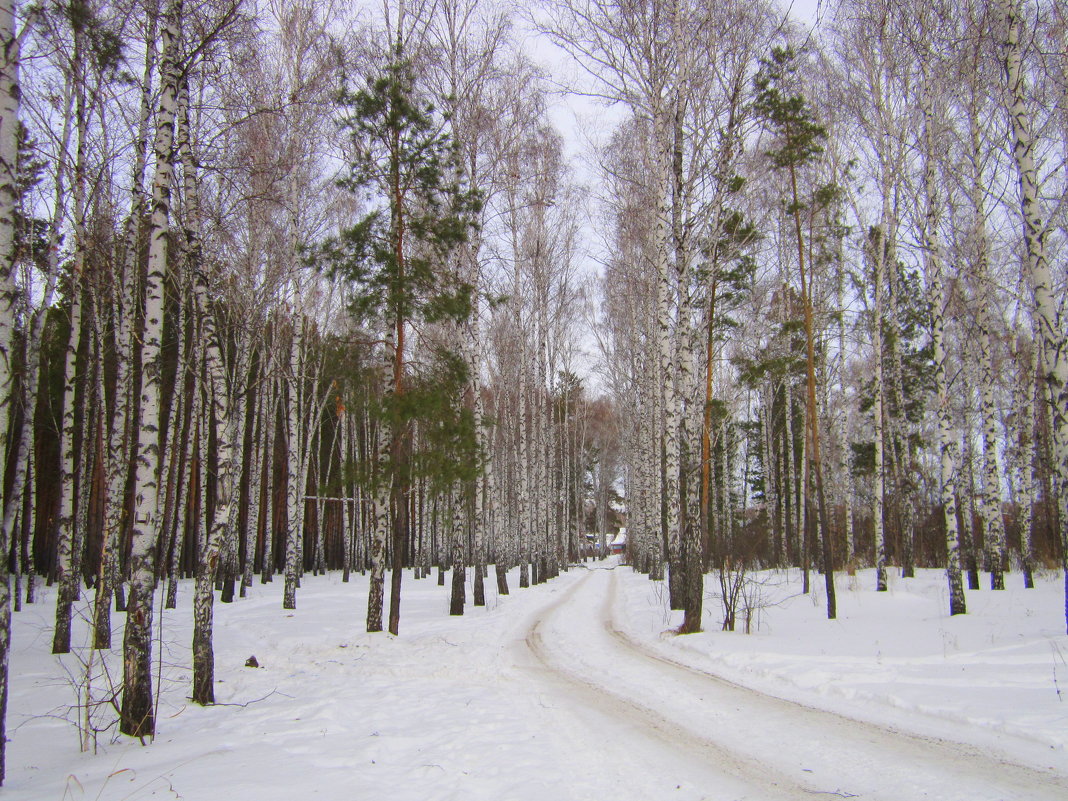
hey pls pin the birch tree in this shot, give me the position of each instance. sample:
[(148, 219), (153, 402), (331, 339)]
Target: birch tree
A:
[(122, 299), (1035, 230), (137, 716), (68, 556), (9, 113), (933, 147)]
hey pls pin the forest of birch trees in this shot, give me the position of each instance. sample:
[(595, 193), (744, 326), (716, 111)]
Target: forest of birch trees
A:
[(296, 286)]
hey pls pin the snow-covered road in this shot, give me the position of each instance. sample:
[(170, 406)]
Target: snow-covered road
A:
[(573, 690), (681, 732)]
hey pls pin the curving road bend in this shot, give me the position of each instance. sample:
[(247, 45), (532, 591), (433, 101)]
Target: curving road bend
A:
[(679, 729)]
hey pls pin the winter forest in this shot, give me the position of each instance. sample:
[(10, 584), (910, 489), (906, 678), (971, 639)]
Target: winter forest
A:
[(466, 291)]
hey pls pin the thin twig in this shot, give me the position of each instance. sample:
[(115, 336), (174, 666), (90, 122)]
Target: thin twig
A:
[(254, 701)]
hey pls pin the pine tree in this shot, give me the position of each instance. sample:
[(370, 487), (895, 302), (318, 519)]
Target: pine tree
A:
[(799, 136), (397, 258)]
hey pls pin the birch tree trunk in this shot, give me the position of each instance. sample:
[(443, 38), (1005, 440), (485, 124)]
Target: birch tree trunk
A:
[(845, 472), (900, 456), (124, 292), (188, 457), (294, 447), (273, 386), (457, 535), (227, 416), (65, 577), (1022, 438), (225, 507), (524, 529), (666, 350), (65, 557), (345, 421), (878, 506), (255, 486), (32, 348), (235, 382), (137, 717), (990, 507), (483, 483), (173, 478), (1051, 328), (380, 532), (938, 301), (9, 114), (25, 527)]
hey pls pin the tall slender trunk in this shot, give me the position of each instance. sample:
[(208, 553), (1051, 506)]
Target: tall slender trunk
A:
[(9, 114), (123, 294), (524, 531), (380, 531), (990, 506), (227, 417), (1022, 437), (1051, 327), (65, 557), (771, 493), (236, 381), (294, 448), (174, 472), (255, 485), (969, 532), (788, 472), (137, 716), (668, 441), (900, 457), (345, 422), (65, 577), (30, 384), (191, 415), (878, 491), (541, 418), (25, 527), (934, 261), (812, 415), (457, 535), (273, 386), (481, 493), (844, 471), (92, 420)]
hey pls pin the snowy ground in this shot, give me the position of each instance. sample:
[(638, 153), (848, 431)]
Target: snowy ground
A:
[(574, 690)]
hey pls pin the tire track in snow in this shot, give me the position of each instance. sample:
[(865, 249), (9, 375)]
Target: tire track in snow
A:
[(708, 761), (746, 744), (974, 773)]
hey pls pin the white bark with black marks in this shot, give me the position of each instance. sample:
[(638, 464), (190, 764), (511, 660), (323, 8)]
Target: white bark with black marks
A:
[(938, 300), (137, 715), (294, 464), (9, 114), (878, 505), (1047, 311)]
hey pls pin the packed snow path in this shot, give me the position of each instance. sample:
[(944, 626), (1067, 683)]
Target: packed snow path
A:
[(684, 733), (573, 690)]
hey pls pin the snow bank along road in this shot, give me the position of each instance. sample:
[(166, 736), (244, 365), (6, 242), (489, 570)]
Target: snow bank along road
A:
[(687, 734)]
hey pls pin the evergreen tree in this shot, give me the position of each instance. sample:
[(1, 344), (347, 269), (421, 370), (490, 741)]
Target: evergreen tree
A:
[(398, 257), (799, 138)]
